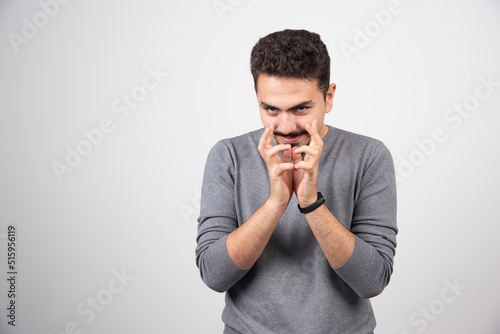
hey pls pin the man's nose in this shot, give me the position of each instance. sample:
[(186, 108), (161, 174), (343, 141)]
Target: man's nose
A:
[(287, 122)]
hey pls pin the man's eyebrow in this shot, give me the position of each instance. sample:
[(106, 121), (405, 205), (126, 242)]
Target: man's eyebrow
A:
[(302, 105), (267, 106), (298, 106)]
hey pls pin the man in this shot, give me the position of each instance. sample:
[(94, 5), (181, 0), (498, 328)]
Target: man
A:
[(298, 220)]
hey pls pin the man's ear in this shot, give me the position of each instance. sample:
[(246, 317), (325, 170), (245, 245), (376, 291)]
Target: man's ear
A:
[(329, 97)]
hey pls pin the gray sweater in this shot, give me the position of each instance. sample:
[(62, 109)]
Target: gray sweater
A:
[(292, 288)]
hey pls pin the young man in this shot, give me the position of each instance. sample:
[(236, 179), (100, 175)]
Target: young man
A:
[(298, 219)]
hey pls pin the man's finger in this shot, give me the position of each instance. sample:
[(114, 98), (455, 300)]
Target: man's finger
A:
[(313, 131), (305, 165), (296, 156), (270, 137), (263, 139), (271, 152), (287, 155), (311, 151), (283, 167)]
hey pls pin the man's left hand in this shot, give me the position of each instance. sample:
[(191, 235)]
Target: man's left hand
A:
[(305, 175)]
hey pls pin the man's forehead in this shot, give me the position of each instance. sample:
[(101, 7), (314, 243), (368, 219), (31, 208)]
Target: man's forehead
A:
[(285, 83), (286, 92)]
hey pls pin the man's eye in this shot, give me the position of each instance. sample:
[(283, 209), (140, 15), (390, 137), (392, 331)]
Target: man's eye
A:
[(302, 109), (271, 110)]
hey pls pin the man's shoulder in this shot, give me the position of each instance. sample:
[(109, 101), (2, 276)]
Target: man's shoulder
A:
[(239, 147), (356, 146), (249, 139), (354, 138), (253, 136)]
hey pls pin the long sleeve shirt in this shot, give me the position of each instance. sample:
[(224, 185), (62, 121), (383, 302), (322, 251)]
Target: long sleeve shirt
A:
[(292, 288)]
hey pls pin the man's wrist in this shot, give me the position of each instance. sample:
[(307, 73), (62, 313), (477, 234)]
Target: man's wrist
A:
[(313, 206), (306, 201), (275, 206)]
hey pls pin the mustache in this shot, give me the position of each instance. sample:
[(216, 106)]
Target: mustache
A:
[(291, 134)]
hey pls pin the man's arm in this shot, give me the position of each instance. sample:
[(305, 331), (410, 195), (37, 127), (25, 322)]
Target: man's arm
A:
[(363, 256), (369, 269), (225, 251), (247, 242), (336, 242)]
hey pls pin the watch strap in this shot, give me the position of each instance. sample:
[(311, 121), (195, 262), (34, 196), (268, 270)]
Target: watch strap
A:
[(319, 202)]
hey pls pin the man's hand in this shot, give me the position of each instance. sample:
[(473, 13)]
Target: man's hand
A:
[(246, 243), (305, 175), (280, 172)]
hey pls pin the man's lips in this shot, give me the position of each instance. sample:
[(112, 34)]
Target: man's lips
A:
[(290, 139)]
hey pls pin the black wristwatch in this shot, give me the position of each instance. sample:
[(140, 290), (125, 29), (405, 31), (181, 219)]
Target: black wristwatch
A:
[(319, 202)]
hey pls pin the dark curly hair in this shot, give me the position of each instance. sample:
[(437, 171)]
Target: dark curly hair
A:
[(292, 53)]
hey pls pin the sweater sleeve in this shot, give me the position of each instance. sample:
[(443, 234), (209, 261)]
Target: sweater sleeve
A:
[(370, 266), (216, 221)]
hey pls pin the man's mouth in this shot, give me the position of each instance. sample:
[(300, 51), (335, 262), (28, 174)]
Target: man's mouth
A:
[(290, 138)]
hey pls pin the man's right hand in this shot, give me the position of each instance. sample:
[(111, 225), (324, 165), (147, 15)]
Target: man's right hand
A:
[(246, 243), (280, 171)]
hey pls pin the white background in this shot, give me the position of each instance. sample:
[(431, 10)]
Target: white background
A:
[(131, 203)]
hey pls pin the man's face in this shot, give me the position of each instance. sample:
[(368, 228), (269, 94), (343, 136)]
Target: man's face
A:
[(289, 104)]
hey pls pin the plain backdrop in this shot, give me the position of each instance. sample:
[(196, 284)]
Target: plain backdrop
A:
[(108, 110)]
